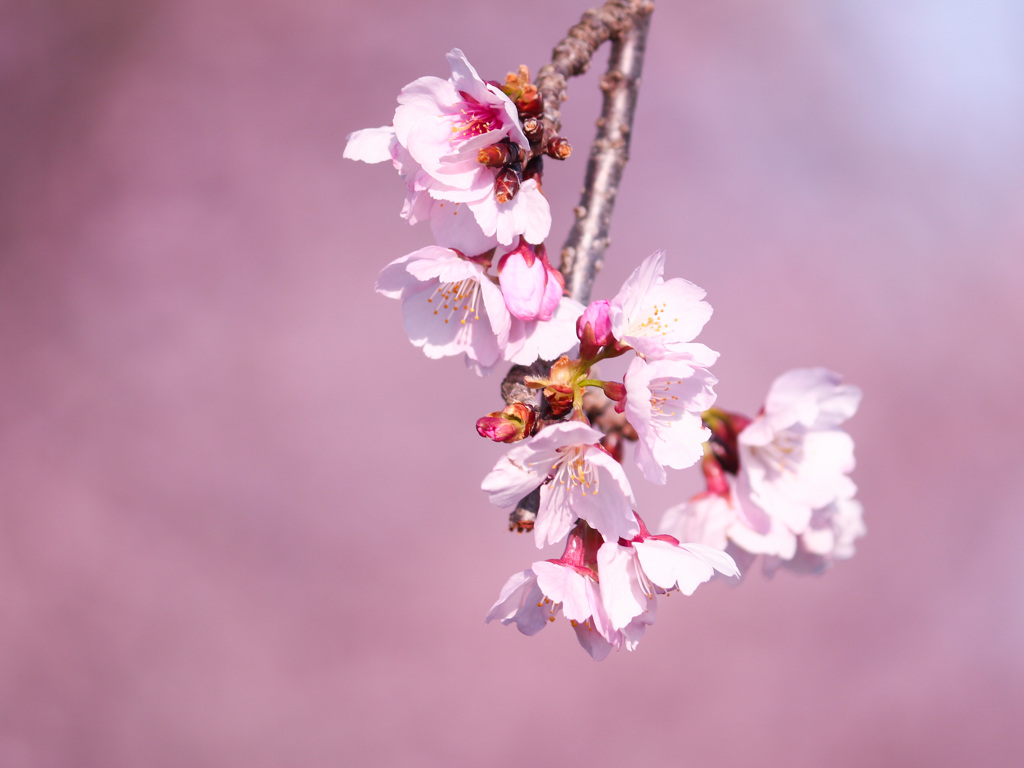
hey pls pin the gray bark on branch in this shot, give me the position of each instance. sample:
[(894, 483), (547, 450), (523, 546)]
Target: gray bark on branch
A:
[(625, 23)]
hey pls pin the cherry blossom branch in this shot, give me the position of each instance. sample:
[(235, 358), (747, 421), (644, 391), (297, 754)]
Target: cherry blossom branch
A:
[(625, 23), (477, 147)]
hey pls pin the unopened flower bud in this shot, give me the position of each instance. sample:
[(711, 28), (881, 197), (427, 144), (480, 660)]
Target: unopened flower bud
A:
[(532, 288), (534, 169), (558, 148), (495, 428), (506, 185), (519, 88), (614, 390), (510, 425), (594, 328), (500, 154), (533, 128), (516, 83)]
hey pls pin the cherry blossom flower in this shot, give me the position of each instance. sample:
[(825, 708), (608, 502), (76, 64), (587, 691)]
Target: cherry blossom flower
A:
[(660, 317), (790, 499), (445, 123), (833, 530), (527, 214), (567, 586), (596, 317), (793, 456), (757, 533), (577, 480), (712, 518), (707, 518), (450, 305), (633, 573), (829, 537), (717, 519), (664, 402), (453, 226), (438, 130)]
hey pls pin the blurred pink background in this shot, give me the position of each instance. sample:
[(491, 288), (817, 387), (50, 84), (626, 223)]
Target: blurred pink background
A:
[(240, 516)]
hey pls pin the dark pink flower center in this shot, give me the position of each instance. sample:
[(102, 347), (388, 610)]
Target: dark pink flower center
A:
[(475, 119)]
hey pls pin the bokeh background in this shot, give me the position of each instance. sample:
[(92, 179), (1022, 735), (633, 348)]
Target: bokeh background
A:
[(240, 516)]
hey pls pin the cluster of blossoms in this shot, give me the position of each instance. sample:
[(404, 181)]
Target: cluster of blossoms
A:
[(778, 485), (472, 169), (470, 154)]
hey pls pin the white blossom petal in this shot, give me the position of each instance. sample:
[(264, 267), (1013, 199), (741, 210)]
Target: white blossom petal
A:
[(654, 316), (370, 145), (684, 565), (521, 601)]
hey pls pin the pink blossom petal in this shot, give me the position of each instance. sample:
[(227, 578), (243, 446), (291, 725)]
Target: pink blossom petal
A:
[(370, 145), (654, 316), (454, 226), (705, 519), (592, 642), (621, 593), (544, 340), (561, 584), (521, 601)]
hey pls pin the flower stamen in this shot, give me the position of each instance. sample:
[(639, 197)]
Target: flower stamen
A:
[(573, 471), (459, 297)]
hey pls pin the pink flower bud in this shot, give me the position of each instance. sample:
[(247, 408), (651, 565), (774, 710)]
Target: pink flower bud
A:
[(531, 287), (495, 428), (594, 328), (514, 423), (614, 390)]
